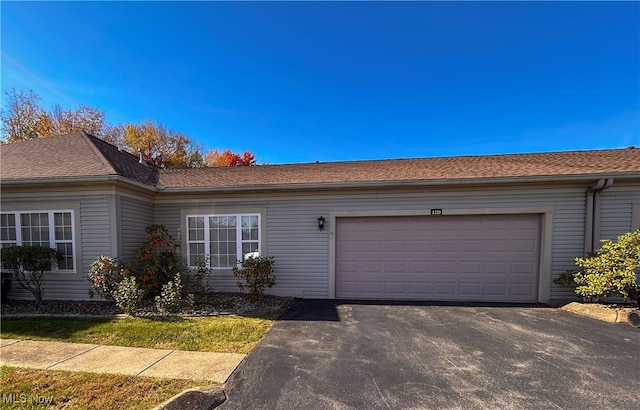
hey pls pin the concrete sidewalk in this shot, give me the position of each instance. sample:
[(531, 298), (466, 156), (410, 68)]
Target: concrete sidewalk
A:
[(136, 361)]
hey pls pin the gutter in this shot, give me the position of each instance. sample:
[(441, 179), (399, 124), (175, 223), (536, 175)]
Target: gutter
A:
[(592, 214), (82, 180)]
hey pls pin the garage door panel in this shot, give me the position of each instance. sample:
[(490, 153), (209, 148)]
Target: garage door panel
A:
[(445, 290), (419, 267), (524, 290), (470, 267), (488, 257), (445, 267), (419, 288), (470, 289), (496, 245), (498, 290)]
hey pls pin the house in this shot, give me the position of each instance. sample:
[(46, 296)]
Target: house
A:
[(474, 228)]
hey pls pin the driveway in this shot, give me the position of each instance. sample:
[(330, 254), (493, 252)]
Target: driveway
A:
[(349, 355)]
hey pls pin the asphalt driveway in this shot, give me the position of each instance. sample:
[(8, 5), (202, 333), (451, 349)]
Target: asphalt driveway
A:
[(333, 355)]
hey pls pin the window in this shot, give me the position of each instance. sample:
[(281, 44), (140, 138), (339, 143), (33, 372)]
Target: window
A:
[(222, 240), (52, 229)]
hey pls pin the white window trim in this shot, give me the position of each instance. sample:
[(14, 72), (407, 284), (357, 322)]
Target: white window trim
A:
[(52, 233), (207, 237)]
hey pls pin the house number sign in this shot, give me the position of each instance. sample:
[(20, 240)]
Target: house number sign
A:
[(436, 212)]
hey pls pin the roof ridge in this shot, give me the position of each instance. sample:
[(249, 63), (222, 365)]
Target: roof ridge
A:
[(88, 139)]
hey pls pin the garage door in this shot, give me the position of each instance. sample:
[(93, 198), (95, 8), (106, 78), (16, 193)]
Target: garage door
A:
[(457, 258)]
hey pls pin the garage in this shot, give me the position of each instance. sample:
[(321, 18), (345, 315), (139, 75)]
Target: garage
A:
[(488, 258)]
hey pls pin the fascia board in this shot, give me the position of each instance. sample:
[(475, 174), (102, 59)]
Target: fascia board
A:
[(97, 179)]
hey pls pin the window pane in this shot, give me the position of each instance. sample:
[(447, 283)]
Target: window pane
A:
[(66, 249), (7, 227), (62, 223), (196, 228), (249, 248), (196, 253)]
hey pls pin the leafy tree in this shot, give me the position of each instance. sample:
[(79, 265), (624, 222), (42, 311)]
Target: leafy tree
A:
[(23, 119), (64, 121), (612, 269), (22, 116), (162, 147), (227, 158)]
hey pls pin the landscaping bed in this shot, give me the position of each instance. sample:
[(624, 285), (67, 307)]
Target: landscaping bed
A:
[(614, 313), (202, 304)]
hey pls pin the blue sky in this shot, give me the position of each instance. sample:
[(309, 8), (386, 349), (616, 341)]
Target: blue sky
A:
[(307, 81)]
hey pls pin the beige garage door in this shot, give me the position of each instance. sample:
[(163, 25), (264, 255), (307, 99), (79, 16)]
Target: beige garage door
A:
[(457, 258)]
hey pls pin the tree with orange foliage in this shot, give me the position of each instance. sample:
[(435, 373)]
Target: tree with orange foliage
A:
[(227, 158)]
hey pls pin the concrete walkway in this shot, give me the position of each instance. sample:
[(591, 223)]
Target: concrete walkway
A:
[(136, 361)]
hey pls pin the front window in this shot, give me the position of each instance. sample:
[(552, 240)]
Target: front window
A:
[(51, 229), (222, 240)]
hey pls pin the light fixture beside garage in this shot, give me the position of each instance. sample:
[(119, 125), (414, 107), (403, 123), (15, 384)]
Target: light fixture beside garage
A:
[(321, 222)]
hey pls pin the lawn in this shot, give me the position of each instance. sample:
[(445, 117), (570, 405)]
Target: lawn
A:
[(32, 388), (232, 334), (44, 389)]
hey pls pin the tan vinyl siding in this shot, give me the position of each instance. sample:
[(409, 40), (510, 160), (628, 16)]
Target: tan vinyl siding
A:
[(301, 251), (134, 216), (616, 212)]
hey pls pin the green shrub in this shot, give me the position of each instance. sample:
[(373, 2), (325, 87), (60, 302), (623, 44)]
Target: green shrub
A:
[(257, 273), (128, 295), (566, 279), (171, 296), (29, 265), (105, 273), (611, 270), (196, 280)]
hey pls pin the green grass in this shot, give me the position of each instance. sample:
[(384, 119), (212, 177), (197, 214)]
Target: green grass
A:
[(45, 389), (232, 334)]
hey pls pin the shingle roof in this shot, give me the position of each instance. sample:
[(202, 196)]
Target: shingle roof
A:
[(71, 155), (82, 155), (554, 164)]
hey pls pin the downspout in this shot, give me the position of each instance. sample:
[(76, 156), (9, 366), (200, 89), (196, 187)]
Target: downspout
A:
[(592, 214)]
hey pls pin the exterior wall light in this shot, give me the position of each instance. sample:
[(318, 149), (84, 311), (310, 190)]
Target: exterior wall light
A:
[(321, 222)]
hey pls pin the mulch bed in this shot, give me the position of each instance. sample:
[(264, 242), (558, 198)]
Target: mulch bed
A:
[(202, 304)]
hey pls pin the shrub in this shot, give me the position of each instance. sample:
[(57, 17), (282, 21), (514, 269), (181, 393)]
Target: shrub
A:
[(29, 265), (128, 295), (566, 279), (157, 260), (5, 286), (170, 298), (611, 270), (105, 273), (257, 273), (195, 280)]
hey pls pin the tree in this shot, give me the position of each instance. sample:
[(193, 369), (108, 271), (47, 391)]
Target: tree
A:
[(22, 116), (162, 147), (65, 121), (23, 119), (227, 158)]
